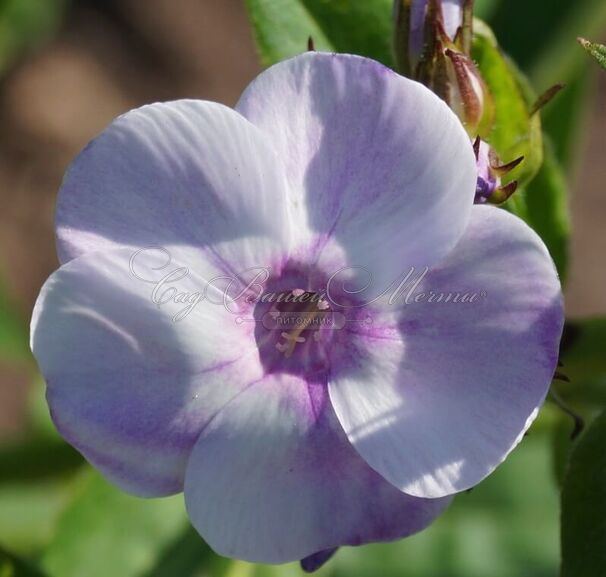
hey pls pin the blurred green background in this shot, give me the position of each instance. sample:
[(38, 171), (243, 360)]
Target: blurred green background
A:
[(68, 68)]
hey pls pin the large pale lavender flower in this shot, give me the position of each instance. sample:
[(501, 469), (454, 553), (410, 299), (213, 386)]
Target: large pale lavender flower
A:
[(293, 442)]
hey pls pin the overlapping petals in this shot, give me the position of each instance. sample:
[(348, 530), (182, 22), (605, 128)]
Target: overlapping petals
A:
[(375, 161), (127, 386), (326, 155), (437, 401), (273, 478)]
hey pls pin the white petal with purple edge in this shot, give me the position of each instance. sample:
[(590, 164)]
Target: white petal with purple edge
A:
[(187, 172), (127, 386), (273, 479), (437, 403), (376, 162)]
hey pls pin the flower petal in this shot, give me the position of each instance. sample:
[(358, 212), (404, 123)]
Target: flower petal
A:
[(127, 386), (273, 479), (437, 403), (452, 13), (313, 562), (187, 172), (375, 161)]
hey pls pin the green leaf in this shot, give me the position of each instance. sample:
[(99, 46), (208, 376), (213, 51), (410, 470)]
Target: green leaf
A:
[(545, 201), (543, 195), (356, 27), (584, 362), (584, 506), (36, 458), (598, 51), (516, 132), (561, 446), (484, 9), (107, 532), (30, 511), (12, 566), (189, 556), (282, 27), (583, 348)]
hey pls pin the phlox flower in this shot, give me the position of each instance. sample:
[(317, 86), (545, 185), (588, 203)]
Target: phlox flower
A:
[(350, 190)]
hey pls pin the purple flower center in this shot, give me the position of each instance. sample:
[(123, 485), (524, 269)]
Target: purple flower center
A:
[(301, 322)]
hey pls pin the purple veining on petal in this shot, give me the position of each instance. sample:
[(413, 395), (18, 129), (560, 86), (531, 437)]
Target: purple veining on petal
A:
[(185, 173), (345, 177), (135, 418), (308, 490), (488, 363), (292, 445), (125, 383)]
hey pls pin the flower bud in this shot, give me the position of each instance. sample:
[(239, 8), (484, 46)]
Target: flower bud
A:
[(489, 188), (433, 41), (415, 29), (467, 94)]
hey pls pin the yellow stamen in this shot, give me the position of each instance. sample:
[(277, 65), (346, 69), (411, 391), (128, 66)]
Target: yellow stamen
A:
[(293, 338)]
